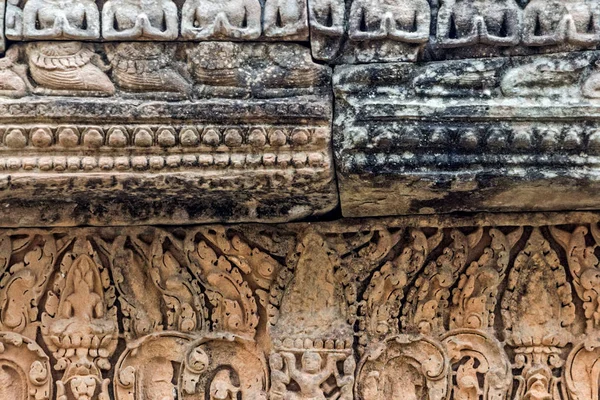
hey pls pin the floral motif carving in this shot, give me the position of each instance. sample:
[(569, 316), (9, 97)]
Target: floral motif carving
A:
[(537, 310), (301, 311), (25, 371), (426, 305)]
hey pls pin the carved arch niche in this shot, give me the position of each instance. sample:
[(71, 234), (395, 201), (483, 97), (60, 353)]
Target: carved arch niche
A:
[(25, 371)]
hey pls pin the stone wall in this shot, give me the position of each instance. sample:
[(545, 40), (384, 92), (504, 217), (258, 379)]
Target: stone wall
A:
[(299, 200)]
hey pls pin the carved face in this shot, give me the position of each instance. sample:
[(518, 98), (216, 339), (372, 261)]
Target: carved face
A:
[(83, 387), (311, 362)]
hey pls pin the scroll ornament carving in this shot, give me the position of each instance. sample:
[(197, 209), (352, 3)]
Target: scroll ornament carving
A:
[(25, 372), (426, 304), (581, 371), (294, 312)]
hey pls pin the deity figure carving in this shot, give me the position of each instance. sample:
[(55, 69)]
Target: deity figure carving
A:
[(489, 22), (79, 324), (13, 75), (146, 67), (140, 20), (403, 366), (286, 19), (311, 375), (67, 68), (214, 19), (538, 311), (13, 21), (389, 30), (60, 19), (400, 21), (548, 23)]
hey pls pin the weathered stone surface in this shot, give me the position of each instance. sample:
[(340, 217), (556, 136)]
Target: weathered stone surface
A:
[(2, 35), (137, 133), (386, 31), (483, 307), (501, 134), (167, 20)]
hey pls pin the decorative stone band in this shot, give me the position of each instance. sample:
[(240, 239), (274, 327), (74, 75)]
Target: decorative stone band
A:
[(490, 306), (125, 20), (139, 133), (383, 31), (497, 134), (340, 31)]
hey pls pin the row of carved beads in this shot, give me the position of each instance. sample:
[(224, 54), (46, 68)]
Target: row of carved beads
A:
[(145, 136), (157, 162), (472, 138), (158, 20)]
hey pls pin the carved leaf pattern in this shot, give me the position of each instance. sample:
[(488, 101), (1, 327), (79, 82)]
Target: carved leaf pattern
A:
[(426, 299), (234, 307)]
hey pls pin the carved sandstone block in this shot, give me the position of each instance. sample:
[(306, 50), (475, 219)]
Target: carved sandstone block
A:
[(158, 132), (360, 31), (484, 307), (160, 20), (2, 28), (496, 134)]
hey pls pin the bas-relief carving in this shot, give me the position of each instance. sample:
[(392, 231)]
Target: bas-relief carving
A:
[(162, 70), (207, 313), (395, 119), (198, 118), (379, 31), (157, 20)]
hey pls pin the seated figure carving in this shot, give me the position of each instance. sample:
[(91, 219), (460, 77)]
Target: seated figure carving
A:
[(548, 23), (406, 21), (221, 19), (327, 22), (327, 17), (146, 67), (61, 19), (139, 19), (12, 75), (67, 68), (13, 22), (488, 22), (286, 18)]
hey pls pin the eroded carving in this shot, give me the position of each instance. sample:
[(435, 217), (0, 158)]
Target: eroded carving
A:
[(79, 324), (67, 68), (139, 20), (389, 31), (50, 19), (25, 371), (407, 366), (231, 19)]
